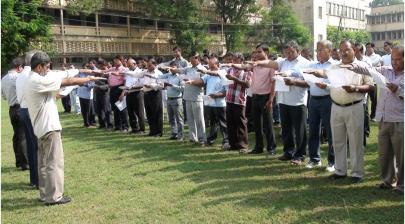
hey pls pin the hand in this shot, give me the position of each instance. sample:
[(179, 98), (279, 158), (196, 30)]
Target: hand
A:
[(167, 84), (94, 78), (121, 96), (251, 63), (202, 70), (147, 86), (186, 81), (318, 73), (230, 77), (349, 88), (213, 95), (321, 85), (269, 105), (347, 66), (392, 87), (86, 71), (289, 82)]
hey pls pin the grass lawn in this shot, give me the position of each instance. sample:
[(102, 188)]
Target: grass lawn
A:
[(120, 178)]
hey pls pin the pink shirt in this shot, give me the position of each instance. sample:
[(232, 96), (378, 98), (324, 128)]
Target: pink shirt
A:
[(261, 80), (116, 80)]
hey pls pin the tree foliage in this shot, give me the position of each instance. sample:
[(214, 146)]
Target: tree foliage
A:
[(378, 3), (281, 25), (336, 36), (23, 27), (84, 6), (235, 17)]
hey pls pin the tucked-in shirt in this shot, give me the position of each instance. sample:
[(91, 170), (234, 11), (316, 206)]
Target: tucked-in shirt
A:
[(314, 89), (297, 95), (192, 92), (214, 85), (261, 80), (116, 80), (40, 94), (85, 91), (386, 59), (131, 81), (151, 79), (340, 96), (20, 82), (176, 88), (8, 88), (375, 59), (180, 62), (236, 93)]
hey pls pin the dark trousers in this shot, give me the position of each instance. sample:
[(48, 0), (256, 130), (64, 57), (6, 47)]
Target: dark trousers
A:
[(32, 146), (136, 112), (154, 111), (293, 123), (276, 111), (236, 123), (263, 122), (87, 112), (19, 142), (366, 124), (120, 117), (319, 113), (248, 113), (373, 99), (103, 109), (217, 116), (67, 107)]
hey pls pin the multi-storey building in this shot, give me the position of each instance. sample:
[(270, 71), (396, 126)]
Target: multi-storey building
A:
[(386, 23)]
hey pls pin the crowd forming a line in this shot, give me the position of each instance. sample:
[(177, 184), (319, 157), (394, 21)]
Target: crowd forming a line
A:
[(327, 97)]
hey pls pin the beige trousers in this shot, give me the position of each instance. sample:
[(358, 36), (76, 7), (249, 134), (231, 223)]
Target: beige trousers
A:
[(391, 152), (50, 167), (348, 122)]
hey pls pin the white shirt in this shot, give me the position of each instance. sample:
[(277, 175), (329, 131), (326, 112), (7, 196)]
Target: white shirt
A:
[(131, 81), (386, 59), (20, 82), (297, 95), (8, 89), (375, 59)]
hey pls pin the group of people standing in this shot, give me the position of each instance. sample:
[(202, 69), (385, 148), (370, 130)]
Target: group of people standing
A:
[(222, 96)]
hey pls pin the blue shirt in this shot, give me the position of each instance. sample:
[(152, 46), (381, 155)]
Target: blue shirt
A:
[(176, 90), (85, 91), (214, 85), (315, 90)]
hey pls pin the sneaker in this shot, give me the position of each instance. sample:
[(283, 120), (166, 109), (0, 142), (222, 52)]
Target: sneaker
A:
[(330, 168), (312, 164)]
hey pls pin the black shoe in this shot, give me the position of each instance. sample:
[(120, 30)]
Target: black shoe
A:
[(272, 152), (24, 167), (63, 200), (356, 180), (173, 137), (255, 151), (336, 176), (284, 158)]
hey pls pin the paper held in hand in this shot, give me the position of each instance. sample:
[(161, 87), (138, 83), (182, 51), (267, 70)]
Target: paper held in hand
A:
[(280, 85), (311, 79), (339, 77), (67, 90), (380, 80), (208, 100), (121, 105)]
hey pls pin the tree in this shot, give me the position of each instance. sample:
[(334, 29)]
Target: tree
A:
[(335, 36), (23, 27), (281, 25), (377, 3), (234, 16)]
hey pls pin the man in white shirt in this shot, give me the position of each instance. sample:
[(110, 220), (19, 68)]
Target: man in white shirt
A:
[(370, 52), (386, 59), (40, 94)]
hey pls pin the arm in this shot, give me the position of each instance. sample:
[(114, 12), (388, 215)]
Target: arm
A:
[(242, 66), (267, 63), (196, 82), (77, 81), (296, 82)]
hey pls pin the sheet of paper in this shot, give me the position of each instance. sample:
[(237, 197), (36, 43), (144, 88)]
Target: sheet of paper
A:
[(121, 105), (311, 79), (208, 100), (338, 77), (66, 90), (280, 84), (380, 80)]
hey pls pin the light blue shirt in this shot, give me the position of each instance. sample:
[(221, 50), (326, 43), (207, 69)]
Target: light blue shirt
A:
[(315, 90), (297, 95), (176, 90), (214, 85), (85, 91)]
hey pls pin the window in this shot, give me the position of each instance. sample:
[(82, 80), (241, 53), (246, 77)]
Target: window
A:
[(382, 18), (320, 12), (388, 35), (394, 35), (399, 17), (329, 8), (334, 9), (394, 18), (388, 18)]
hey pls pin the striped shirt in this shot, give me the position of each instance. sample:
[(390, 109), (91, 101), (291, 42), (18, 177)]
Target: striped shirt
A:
[(236, 93)]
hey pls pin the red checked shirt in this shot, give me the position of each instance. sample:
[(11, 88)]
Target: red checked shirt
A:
[(236, 93)]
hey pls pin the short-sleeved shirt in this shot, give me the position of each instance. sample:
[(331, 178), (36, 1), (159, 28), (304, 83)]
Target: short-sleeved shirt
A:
[(297, 95), (20, 82), (8, 88), (236, 93), (340, 96), (176, 88), (192, 92), (314, 89), (386, 59), (262, 80), (40, 94), (85, 91), (214, 85)]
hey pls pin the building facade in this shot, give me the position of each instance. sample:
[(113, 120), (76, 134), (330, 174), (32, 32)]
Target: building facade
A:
[(386, 23)]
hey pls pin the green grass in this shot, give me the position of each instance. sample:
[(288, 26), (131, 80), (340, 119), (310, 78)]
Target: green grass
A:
[(118, 178)]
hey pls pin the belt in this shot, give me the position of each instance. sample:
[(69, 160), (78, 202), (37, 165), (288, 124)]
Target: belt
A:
[(320, 97), (173, 98), (15, 106), (347, 104)]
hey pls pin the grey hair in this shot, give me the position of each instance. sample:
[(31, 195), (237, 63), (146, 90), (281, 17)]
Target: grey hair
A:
[(292, 44), (28, 56), (327, 43)]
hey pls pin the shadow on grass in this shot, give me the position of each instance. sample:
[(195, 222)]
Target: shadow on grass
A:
[(19, 203)]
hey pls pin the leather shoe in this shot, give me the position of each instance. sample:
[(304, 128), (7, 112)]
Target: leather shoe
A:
[(63, 200), (284, 158), (337, 176), (356, 180)]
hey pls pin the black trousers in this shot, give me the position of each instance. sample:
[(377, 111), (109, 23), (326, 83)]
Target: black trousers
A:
[(32, 146), (249, 114), (293, 124), (19, 142), (120, 117), (88, 114), (67, 107), (154, 111), (263, 122), (103, 108), (217, 117), (136, 112), (236, 123), (373, 99)]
